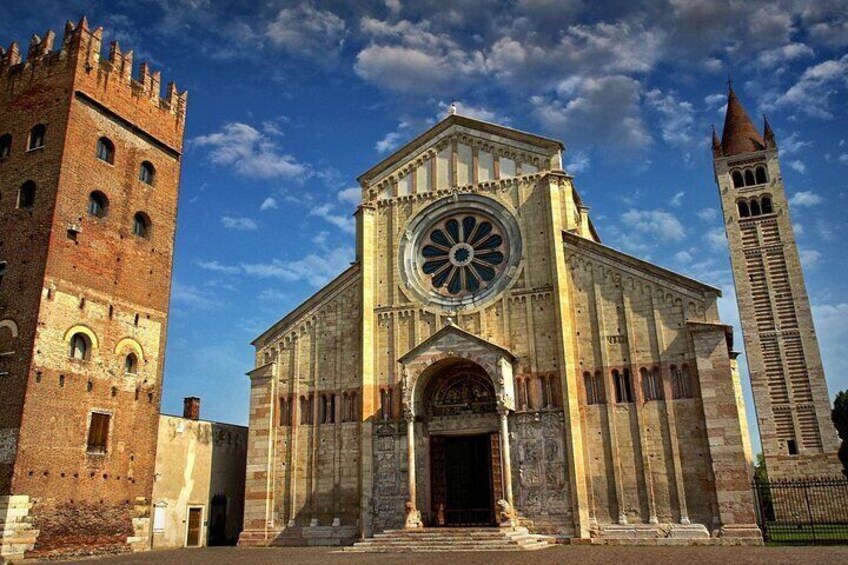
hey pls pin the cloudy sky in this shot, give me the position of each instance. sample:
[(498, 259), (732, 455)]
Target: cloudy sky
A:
[(290, 101)]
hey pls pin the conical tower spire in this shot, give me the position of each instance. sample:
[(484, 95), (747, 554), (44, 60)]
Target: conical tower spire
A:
[(739, 134), (768, 134)]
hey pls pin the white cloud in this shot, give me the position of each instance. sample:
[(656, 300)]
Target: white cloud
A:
[(306, 30), (798, 228), (272, 295), (313, 268), (471, 111), (682, 257), (407, 56), (351, 195), (394, 6), (677, 199), (344, 222), (809, 258), (676, 116), (217, 267), (392, 139), (656, 224), (818, 84), (716, 239), (269, 203), (708, 215), (599, 110), (250, 153), (798, 165), (792, 144), (805, 198), (238, 223), (192, 297), (715, 101), (784, 54), (578, 163), (825, 230)]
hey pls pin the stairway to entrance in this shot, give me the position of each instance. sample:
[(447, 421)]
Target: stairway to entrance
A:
[(451, 539)]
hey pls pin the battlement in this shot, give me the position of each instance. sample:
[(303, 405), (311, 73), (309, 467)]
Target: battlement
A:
[(82, 48)]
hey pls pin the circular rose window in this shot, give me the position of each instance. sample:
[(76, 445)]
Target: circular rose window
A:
[(462, 254), (459, 251)]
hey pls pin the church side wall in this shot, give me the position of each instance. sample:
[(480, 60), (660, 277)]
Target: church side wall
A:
[(648, 459)]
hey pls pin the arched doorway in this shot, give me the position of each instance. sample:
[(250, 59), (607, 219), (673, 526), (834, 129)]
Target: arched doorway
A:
[(460, 416)]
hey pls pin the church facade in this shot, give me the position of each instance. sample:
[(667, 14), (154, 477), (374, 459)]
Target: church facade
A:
[(487, 358)]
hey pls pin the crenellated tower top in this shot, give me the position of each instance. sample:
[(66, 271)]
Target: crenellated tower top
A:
[(81, 53)]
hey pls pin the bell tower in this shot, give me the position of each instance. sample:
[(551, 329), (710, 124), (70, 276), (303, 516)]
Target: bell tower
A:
[(790, 392)]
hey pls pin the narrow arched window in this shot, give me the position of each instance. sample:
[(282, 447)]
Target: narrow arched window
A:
[(106, 150), (345, 407), (738, 182), (131, 364), (331, 410), (304, 412), (744, 211), (146, 173), (80, 347), (755, 208), (26, 195), (5, 145), (2, 272), (761, 175), (97, 204), (141, 225), (37, 137), (749, 177), (765, 205), (680, 385)]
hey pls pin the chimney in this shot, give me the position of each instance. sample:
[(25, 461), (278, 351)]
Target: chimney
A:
[(191, 408)]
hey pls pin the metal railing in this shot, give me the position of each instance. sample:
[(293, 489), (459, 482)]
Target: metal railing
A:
[(803, 511)]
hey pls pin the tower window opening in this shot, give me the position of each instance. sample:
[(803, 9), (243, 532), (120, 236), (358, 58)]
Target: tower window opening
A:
[(738, 181), (744, 211), (131, 364), (623, 390), (792, 447), (765, 205), (106, 150), (147, 173), (761, 175), (80, 347), (98, 433), (26, 195), (141, 225), (97, 204), (749, 177), (5, 145), (37, 136), (755, 208)]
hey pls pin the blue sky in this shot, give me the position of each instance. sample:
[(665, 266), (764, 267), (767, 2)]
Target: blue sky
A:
[(290, 101)]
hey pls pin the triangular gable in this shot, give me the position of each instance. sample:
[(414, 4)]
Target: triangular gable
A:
[(453, 330), (523, 146)]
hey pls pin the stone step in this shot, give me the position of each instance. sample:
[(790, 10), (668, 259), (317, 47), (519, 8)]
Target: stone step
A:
[(433, 540)]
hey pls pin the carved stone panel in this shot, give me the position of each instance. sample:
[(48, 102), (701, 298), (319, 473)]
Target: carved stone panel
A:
[(538, 459)]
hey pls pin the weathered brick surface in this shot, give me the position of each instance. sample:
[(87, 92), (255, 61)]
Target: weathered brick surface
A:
[(68, 269)]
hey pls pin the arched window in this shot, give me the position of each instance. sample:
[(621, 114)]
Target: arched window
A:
[(5, 145), (744, 211), (106, 150), (131, 364), (80, 347), (141, 225), (26, 195), (680, 385), (761, 175), (331, 409), (651, 384), (594, 386), (623, 390), (97, 204), (304, 410), (37, 136), (2, 272), (738, 182), (755, 208), (765, 205), (146, 173), (749, 177)]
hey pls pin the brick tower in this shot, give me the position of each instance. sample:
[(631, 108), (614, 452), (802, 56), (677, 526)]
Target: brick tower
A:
[(89, 174), (790, 392)]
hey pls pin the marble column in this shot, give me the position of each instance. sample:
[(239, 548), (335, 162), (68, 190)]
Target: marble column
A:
[(506, 458), (413, 515)]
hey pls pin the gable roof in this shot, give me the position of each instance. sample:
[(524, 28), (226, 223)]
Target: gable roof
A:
[(453, 328), (457, 120)]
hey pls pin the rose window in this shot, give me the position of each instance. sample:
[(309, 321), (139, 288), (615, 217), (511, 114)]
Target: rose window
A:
[(463, 254)]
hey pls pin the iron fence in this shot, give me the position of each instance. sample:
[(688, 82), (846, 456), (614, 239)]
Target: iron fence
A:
[(803, 511)]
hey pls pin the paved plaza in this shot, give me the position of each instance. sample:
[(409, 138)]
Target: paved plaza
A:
[(560, 555)]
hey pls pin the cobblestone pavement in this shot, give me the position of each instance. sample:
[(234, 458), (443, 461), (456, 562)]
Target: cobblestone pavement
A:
[(561, 555)]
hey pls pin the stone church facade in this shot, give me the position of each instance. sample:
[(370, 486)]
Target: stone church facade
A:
[(486, 355)]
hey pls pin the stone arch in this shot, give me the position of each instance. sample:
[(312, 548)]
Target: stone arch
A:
[(13, 327), (95, 342), (130, 343)]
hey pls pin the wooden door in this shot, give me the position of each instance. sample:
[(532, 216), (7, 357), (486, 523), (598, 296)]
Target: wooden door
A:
[(195, 516)]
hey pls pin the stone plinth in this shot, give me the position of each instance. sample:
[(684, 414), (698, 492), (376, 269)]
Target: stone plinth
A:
[(17, 535)]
